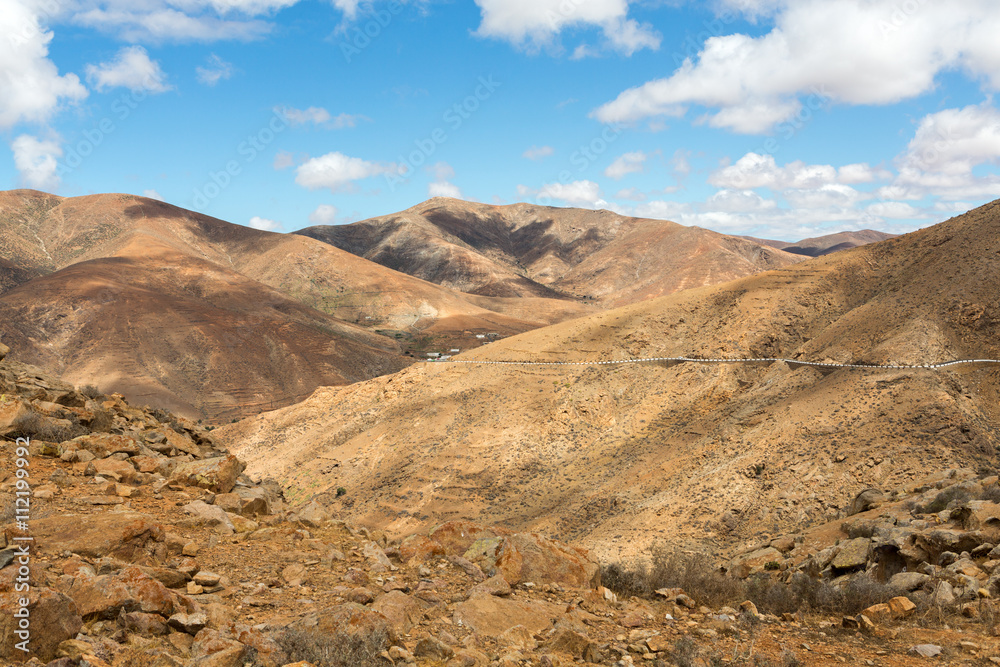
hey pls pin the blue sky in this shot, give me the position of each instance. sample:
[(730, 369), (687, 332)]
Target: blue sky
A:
[(774, 118)]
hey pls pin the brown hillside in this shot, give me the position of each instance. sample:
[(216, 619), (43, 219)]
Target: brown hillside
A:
[(618, 457), (824, 245), (527, 250), (48, 233), (173, 330), (135, 243)]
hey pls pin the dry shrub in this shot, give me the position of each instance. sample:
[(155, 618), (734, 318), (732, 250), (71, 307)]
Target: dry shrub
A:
[(340, 649), (673, 569), (953, 496), (91, 391), (34, 425), (708, 585)]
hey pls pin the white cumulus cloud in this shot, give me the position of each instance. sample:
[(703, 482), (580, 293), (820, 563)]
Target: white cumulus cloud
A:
[(818, 51), (629, 163), (537, 23), (265, 224), (577, 193), (336, 171), (131, 68), (37, 160), (325, 214), (32, 88)]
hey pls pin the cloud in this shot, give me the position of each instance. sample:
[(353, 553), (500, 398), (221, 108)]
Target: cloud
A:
[(894, 209), (441, 171), (283, 160), (629, 163), (320, 116), (178, 20), (132, 69), (152, 194), (858, 52), (739, 201), (578, 193), (217, 70), (538, 152), (533, 24), (325, 214), (760, 171), (634, 194), (444, 189), (32, 87), (954, 141), (336, 171), (264, 224), (37, 161), (944, 153)]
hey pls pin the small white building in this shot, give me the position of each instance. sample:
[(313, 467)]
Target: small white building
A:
[(454, 350)]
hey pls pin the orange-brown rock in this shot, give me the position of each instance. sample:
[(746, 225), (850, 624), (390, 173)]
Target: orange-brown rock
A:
[(129, 590), (127, 536), (217, 474), (53, 618), (491, 616)]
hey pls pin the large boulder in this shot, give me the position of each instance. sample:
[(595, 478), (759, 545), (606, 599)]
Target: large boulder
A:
[(455, 537), (350, 623), (403, 611), (127, 536), (202, 513), (4, 351), (217, 475), (53, 618), (490, 616), (530, 557), (853, 555), (104, 444), (13, 412), (130, 590)]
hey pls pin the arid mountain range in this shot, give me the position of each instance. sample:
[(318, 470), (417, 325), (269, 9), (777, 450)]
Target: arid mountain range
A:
[(616, 458), (824, 245), (218, 320), (526, 250)]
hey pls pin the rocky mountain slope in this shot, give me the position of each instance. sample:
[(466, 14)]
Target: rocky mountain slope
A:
[(210, 318), (527, 250), (615, 458), (151, 546)]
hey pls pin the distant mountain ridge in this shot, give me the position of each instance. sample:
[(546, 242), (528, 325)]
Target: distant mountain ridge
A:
[(527, 250), (824, 245)]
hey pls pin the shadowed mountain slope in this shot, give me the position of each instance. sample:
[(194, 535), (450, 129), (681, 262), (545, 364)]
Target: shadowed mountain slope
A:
[(619, 457), (528, 250), (210, 318)]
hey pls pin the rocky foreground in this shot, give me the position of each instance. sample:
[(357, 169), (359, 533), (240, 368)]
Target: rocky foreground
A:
[(151, 547)]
